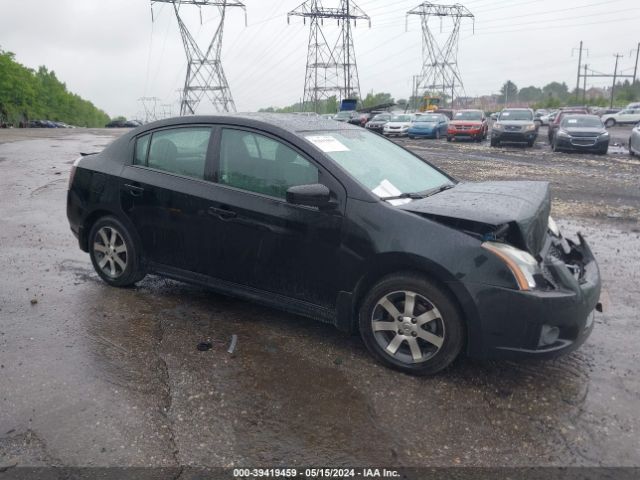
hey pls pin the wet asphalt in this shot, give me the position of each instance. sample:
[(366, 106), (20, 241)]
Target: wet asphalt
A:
[(96, 376)]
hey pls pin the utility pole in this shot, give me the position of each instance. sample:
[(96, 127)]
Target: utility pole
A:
[(440, 62), (615, 73), (579, 65), (635, 69), (205, 77), (331, 68), (584, 86)]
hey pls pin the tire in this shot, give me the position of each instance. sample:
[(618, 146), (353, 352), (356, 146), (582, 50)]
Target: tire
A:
[(610, 122), (437, 134), (603, 151), (429, 336), (109, 239), (494, 143), (531, 143), (448, 138)]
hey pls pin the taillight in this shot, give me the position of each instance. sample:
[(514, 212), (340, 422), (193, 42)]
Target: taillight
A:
[(73, 171)]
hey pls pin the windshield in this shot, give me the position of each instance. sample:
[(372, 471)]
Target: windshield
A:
[(343, 115), (377, 163), (401, 118), (516, 115), (428, 118), (468, 116), (582, 121), (381, 117)]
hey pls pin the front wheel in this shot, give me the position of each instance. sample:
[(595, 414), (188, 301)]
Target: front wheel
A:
[(114, 254), (410, 324), (494, 143), (437, 134)]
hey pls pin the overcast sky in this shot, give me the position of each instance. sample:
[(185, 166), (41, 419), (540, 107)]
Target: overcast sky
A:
[(110, 52)]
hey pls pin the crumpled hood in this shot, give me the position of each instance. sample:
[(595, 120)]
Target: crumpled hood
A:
[(523, 205)]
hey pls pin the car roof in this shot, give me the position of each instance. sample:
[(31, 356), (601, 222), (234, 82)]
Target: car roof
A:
[(286, 121)]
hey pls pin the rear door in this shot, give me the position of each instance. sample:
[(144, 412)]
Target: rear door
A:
[(164, 194), (263, 241)]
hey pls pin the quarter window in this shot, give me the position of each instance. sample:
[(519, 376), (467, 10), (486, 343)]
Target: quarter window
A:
[(142, 145), (181, 150), (260, 164)]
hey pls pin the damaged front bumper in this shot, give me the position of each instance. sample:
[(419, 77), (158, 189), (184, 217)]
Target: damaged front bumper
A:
[(547, 321)]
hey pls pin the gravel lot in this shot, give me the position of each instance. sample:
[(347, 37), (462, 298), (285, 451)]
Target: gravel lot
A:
[(96, 376)]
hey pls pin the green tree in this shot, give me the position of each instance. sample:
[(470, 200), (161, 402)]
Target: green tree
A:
[(373, 99), (27, 95), (508, 92), (556, 90), (530, 94)]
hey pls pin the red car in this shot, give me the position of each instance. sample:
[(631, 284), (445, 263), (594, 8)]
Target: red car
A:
[(470, 124)]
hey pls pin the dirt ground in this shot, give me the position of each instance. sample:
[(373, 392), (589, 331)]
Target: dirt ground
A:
[(96, 376)]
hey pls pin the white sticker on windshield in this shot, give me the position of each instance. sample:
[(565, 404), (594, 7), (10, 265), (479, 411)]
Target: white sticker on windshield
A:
[(388, 189), (505, 114), (572, 120), (327, 143)]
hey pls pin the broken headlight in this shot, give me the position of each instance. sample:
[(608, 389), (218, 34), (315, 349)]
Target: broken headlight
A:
[(521, 263)]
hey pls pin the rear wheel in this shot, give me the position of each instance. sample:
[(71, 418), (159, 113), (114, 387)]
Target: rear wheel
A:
[(409, 323), (610, 122), (114, 254)]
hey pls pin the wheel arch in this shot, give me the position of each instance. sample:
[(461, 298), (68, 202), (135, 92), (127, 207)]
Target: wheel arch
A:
[(96, 215), (402, 263)]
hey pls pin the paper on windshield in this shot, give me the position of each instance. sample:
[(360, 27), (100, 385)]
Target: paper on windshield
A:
[(327, 143), (572, 120), (388, 189)]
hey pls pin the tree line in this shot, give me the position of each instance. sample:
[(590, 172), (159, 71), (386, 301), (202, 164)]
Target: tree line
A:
[(556, 94), (27, 94)]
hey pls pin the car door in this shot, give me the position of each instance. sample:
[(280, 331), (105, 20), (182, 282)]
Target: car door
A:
[(164, 195), (265, 242)]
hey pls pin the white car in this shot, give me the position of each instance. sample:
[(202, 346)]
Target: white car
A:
[(634, 141), (628, 115), (398, 125), (544, 119)]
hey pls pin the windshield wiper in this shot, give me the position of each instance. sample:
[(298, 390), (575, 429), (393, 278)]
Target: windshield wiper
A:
[(419, 195), (411, 195), (439, 189)]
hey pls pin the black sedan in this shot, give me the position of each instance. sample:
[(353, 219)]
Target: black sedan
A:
[(581, 132), (333, 222)]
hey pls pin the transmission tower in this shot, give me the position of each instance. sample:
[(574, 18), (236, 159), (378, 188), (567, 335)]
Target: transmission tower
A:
[(331, 67), (205, 77), (440, 73), (149, 105)]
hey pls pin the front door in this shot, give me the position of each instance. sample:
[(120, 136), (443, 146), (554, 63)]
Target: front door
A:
[(263, 241)]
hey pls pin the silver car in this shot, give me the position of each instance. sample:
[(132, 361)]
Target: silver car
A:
[(634, 140)]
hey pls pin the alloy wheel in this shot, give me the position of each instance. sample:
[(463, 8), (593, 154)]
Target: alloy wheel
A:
[(110, 251), (407, 326)]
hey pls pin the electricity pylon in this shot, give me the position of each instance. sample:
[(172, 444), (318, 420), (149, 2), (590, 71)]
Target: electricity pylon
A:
[(149, 105), (331, 68), (205, 77), (440, 71)]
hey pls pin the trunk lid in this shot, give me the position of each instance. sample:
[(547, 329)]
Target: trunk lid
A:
[(524, 206)]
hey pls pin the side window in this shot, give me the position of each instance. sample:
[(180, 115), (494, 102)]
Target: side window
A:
[(260, 164), (180, 150), (142, 145)]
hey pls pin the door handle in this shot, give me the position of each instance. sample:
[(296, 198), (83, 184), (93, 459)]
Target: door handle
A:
[(222, 213), (134, 190)]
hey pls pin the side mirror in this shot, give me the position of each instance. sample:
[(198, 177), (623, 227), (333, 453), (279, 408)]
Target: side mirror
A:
[(314, 195)]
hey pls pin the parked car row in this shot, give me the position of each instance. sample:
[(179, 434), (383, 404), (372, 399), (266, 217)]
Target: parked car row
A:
[(48, 124)]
